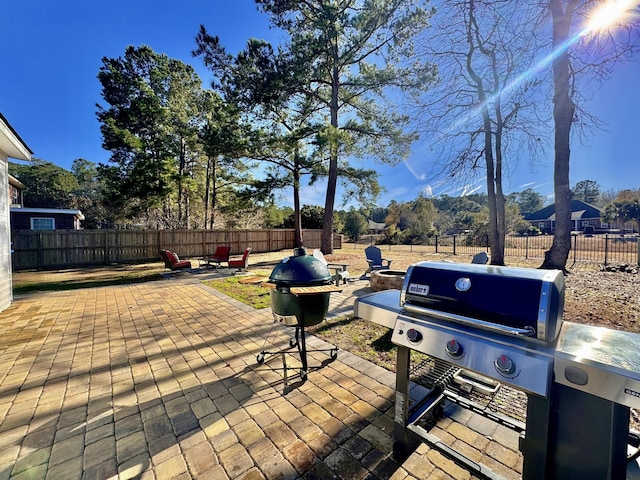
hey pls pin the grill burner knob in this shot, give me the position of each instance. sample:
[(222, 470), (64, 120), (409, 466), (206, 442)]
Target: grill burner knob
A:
[(505, 365), (454, 349), (414, 335)]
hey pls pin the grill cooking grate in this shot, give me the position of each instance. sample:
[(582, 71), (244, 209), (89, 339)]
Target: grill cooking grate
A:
[(505, 405)]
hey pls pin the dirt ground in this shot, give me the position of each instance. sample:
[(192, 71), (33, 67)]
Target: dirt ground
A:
[(592, 296)]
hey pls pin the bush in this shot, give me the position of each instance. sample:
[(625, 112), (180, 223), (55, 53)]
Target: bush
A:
[(529, 230)]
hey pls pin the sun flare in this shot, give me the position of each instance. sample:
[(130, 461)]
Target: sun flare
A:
[(609, 14)]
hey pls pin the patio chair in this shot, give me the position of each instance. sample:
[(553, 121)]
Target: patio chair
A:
[(173, 262), (241, 262), (375, 260), (480, 258), (339, 269), (220, 255)]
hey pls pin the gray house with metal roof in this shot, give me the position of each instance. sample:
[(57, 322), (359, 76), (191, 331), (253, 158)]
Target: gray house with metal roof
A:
[(582, 215)]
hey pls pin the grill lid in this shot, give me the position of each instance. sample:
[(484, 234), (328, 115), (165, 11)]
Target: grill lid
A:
[(300, 269), (526, 302)]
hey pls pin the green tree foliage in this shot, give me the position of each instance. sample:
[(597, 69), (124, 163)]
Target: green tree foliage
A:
[(312, 216), (527, 201), (347, 54), (274, 216), (355, 224), (88, 195), (626, 208), (411, 222), (48, 186), (150, 126), (272, 87), (586, 190)]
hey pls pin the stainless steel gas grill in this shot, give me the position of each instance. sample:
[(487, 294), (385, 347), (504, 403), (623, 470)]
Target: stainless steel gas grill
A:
[(490, 339)]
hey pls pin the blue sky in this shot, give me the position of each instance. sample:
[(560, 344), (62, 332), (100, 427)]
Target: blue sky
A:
[(52, 51)]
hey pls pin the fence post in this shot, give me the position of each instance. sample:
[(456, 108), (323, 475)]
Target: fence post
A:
[(526, 247), (436, 243), (40, 260), (606, 249), (454, 244), (575, 247)]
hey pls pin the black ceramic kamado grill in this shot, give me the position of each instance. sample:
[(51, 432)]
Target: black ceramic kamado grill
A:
[(497, 333), (301, 286)]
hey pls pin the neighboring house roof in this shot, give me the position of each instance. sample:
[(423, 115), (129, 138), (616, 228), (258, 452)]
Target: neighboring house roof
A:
[(16, 183), (579, 210), (376, 225), (10, 142), (50, 211)]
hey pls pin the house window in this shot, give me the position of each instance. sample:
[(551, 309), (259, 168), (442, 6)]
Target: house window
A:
[(541, 225), (585, 223), (43, 223), (15, 195)]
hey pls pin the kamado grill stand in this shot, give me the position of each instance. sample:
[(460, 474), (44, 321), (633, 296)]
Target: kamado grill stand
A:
[(486, 328), (300, 290)]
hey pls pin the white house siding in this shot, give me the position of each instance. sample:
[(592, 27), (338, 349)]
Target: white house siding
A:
[(11, 146), (6, 289)]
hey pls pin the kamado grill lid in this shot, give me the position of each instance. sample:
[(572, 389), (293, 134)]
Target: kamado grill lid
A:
[(300, 269)]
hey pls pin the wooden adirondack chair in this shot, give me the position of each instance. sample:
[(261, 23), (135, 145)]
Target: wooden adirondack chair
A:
[(375, 260), (339, 269)]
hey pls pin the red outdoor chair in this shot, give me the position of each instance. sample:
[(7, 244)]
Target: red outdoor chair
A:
[(240, 262), (173, 262), (220, 255)]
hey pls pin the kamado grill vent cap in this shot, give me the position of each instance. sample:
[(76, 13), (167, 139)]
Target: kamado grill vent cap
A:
[(300, 269)]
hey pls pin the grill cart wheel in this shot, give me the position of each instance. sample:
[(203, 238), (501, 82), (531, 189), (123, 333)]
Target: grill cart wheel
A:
[(260, 358), (293, 342)]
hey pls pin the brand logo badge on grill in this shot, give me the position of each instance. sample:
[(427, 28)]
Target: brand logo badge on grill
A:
[(418, 289), (633, 393)]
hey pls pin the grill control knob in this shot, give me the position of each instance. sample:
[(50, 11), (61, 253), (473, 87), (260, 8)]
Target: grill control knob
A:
[(505, 365), (454, 349), (414, 335)]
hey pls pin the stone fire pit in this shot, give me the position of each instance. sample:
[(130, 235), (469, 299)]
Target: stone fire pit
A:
[(387, 280)]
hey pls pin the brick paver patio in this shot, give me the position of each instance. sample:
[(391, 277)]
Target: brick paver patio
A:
[(160, 381)]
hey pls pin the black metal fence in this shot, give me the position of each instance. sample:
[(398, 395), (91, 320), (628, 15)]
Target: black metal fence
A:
[(606, 249)]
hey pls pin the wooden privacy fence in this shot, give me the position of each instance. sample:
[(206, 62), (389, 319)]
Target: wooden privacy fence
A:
[(39, 249)]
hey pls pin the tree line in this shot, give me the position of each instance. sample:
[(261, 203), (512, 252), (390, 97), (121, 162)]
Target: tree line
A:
[(352, 80), (50, 186)]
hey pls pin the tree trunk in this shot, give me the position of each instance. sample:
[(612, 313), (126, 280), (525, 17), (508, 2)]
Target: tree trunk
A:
[(563, 112), (207, 183), (326, 243), (297, 214), (497, 257), (493, 169), (214, 190)]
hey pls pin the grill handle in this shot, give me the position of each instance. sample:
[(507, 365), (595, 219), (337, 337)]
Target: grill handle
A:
[(473, 322)]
